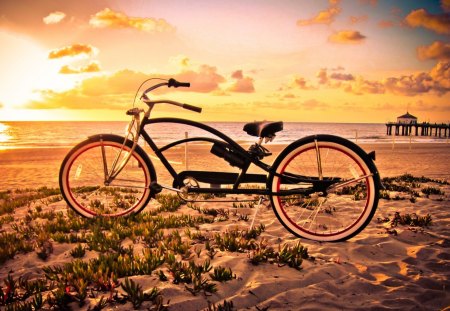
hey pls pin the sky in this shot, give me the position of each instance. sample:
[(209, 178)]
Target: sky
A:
[(289, 60)]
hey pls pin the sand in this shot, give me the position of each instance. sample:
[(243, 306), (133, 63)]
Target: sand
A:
[(376, 270), (25, 168)]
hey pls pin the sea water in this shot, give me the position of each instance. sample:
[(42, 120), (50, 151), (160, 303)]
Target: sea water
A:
[(67, 134)]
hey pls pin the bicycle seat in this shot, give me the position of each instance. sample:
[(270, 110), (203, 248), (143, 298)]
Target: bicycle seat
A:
[(263, 128)]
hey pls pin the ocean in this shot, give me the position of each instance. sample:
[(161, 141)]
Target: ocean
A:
[(16, 135)]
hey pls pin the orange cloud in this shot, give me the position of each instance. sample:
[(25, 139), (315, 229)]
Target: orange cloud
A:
[(439, 23), (54, 18), (386, 24), (301, 83), (410, 85), (441, 76), (91, 67), (204, 80), (361, 86), (108, 18), (322, 75), (115, 91), (347, 37), (437, 50), (436, 81), (342, 76), (323, 17), (242, 83), (358, 19), (445, 5), (71, 50)]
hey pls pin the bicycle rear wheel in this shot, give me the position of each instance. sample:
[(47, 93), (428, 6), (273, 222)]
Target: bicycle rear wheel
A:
[(82, 177), (344, 207)]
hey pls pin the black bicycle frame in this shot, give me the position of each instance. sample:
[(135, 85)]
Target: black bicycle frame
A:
[(222, 177)]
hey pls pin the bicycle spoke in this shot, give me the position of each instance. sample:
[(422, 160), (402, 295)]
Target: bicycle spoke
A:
[(105, 164), (338, 211), (319, 161), (88, 169), (348, 182)]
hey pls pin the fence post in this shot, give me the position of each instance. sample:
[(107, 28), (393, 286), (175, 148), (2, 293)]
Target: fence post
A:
[(186, 135)]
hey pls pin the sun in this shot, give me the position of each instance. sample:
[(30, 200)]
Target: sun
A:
[(27, 70)]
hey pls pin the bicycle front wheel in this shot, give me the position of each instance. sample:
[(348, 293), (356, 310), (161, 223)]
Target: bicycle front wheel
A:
[(83, 174), (341, 186)]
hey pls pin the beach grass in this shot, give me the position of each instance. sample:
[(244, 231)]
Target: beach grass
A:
[(100, 263)]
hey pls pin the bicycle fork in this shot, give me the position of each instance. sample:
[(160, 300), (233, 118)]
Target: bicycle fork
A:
[(117, 167)]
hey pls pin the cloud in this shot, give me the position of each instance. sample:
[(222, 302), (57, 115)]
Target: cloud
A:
[(436, 81), (204, 80), (301, 83), (386, 24), (342, 76), (445, 5), (361, 86), (54, 18), (71, 50), (437, 50), (347, 37), (322, 76), (91, 67), (108, 18), (242, 84), (323, 17), (312, 104), (180, 60), (358, 19), (116, 91), (441, 76), (237, 74), (439, 23)]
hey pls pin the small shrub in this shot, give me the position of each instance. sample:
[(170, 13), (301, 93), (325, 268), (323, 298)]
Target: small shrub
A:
[(78, 252), (222, 274)]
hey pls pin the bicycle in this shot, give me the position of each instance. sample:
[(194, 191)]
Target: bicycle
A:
[(321, 187)]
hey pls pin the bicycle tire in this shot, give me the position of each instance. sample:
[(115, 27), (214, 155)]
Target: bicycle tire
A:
[(81, 178), (335, 216)]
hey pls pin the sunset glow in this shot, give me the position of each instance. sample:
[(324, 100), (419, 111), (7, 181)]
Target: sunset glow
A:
[(322, 61)]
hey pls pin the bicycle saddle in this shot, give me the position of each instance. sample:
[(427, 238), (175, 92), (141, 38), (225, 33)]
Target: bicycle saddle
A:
[(263, 128)]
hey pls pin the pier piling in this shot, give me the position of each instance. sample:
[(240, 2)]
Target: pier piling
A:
[(425, 129)]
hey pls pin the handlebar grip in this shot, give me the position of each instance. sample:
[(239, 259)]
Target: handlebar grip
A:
[(175, 83), (193, 108), (184, 84)]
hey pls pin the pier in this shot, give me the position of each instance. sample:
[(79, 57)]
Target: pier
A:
[(418, 129)]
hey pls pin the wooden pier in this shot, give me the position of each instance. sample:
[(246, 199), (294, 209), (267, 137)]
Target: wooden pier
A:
[(418, 129)]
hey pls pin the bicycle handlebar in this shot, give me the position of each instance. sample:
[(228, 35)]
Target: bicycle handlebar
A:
[(170, 83), (193, 108), (175, 83)]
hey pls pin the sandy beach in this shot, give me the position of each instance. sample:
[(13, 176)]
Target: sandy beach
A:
[(385, 267), (28, 168)]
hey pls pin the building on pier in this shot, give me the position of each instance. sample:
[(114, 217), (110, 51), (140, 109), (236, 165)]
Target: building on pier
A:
[(407, 119)]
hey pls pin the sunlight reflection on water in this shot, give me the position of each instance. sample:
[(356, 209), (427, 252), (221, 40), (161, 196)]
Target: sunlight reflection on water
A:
[(4, 136)]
